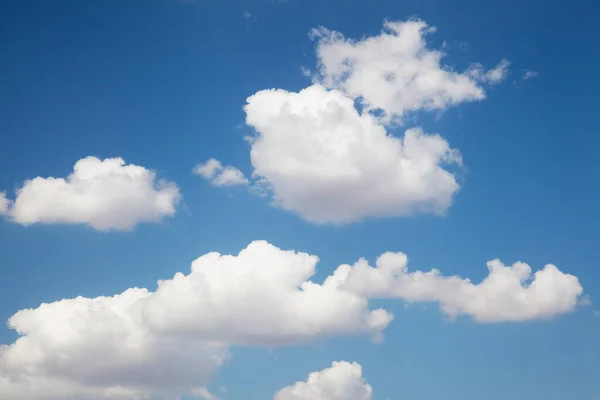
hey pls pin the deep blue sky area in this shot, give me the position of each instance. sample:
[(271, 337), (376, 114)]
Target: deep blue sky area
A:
[(162, 84)]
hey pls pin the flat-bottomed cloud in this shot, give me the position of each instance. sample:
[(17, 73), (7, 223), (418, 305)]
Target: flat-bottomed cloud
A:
[(342, 381), (104, 194), (329, 163)]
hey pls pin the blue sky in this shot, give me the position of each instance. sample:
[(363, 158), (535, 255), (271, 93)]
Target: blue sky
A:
[(162, 84)]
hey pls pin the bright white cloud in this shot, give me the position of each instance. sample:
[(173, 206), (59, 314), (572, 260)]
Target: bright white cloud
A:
[(328, 163), (262, 297), (343, 381), (508, 293), (220, 175), (157, 345), (104, 194), (396, 71), (101, 349)]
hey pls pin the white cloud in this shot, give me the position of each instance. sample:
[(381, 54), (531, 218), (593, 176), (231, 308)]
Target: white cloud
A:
[(5, 204), (157, 345), (230, 176), (204, 393), (493, 76), (209, 169), (324, 159), (261, 297), (343, 381), (528, 74), (104, 194), (328, 163), (508, 293), (220, 175), (395, 71), (101, 349)]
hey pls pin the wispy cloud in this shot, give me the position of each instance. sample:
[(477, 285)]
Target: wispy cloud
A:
[(249, 17), (528, 74)]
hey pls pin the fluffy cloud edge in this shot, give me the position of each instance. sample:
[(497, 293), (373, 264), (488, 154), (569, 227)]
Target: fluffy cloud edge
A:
[(396, 71), (508, 294), (219, 175), (318, 155), (342, 381), (103, 194), (174, 340), (170, 342)]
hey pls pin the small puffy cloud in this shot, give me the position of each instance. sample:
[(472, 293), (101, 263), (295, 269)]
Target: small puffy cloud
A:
[(104, 194), (209, 169), (162, 344), (220, 175), (528, 74), (396, 72), (508, 293), (261, 297), (324, 160), (343, 381)]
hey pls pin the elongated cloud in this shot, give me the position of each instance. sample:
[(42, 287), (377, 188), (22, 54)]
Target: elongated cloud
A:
[(508, 293), (171, 342), (396, 72), (104, 194), (328, 163), (343, 381)]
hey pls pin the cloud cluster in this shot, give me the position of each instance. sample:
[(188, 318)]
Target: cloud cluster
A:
[(343, 381), (326, 153), (508, 293), (142, 344), (320, 156), (104, 194), (220, 175), (157, 345)]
